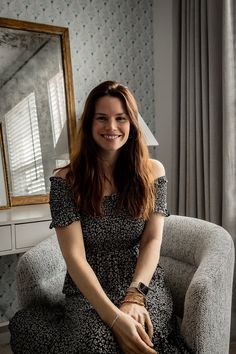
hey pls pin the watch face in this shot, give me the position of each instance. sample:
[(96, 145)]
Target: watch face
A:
[(143, 288)]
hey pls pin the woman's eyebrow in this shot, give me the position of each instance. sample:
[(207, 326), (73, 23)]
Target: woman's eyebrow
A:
[(104, 114)]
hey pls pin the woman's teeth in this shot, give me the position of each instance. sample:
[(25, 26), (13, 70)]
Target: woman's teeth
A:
[(111, 137)]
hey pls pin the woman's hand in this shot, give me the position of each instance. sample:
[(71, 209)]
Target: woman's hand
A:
[(131, 336), (140, 314)]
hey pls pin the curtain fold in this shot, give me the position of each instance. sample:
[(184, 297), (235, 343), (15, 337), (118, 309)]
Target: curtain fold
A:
[(203, 168)]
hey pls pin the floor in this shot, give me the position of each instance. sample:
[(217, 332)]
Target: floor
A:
[(4, 341), (5, 350), (232, 349)]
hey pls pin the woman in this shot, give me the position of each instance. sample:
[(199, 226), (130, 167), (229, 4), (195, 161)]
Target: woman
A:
[(108, 207)]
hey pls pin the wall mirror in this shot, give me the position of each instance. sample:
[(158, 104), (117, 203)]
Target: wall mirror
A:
[(37, 110)]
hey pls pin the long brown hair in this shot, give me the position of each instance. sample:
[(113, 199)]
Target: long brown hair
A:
[(132, 173)]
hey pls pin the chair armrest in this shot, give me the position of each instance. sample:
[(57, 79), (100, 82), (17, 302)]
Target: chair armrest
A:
[(207, 251), (40, 273), (207, 308)]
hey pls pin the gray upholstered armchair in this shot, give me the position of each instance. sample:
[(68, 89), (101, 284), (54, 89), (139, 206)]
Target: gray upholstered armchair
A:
[(198, 259)]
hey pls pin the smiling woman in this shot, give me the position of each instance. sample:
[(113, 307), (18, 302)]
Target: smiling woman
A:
[(108, 206)]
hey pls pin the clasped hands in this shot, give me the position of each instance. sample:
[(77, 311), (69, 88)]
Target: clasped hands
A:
[(133, 328)]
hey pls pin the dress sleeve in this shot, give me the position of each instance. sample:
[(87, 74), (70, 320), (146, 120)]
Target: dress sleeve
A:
[(161, 196), (62, 205)]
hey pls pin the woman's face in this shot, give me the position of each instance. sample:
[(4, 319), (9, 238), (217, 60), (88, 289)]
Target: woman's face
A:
[(111, 124)]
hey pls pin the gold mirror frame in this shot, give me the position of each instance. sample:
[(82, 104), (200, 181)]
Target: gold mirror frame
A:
[(4, 185), (63, 33)]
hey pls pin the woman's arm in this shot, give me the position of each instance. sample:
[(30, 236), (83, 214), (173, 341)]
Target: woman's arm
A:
[(150, 244), (71, 242), (149, 250), (148, 259)]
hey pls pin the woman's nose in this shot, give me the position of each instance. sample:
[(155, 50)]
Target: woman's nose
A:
[(111, 124)]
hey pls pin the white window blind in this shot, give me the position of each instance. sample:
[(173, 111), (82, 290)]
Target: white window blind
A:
[(24, 149), (56, 93)]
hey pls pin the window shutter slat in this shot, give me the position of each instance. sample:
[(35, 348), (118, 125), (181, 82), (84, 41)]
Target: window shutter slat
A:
[(25, 157)]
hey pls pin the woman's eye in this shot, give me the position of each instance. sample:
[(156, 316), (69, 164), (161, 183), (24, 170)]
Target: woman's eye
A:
[(101, 118), (121, 119)]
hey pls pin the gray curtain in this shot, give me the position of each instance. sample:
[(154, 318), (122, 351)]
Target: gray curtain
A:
[(204, 114), (203, 166)]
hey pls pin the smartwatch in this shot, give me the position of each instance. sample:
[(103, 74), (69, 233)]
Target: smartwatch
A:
[(141, 287)]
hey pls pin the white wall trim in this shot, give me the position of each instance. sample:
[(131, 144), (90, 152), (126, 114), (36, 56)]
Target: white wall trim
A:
[(163, 74)]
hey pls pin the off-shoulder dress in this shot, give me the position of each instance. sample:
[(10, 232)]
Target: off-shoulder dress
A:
[(111, 244)]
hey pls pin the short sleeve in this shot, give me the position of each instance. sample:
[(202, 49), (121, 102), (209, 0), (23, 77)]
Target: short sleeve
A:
[(161, 196), (62, 205)]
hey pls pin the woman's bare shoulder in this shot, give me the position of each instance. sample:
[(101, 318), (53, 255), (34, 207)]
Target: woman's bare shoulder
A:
[(61, 173), (157, 168)]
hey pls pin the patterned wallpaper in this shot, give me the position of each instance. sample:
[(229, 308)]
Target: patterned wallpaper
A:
[(109, 39)]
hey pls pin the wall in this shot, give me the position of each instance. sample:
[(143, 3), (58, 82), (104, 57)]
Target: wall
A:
[(109, 40)]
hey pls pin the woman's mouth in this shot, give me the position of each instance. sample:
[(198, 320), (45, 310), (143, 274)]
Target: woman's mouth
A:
[(110, 137)]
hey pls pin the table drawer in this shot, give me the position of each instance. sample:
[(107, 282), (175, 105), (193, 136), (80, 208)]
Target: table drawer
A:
[(5, 238), (29, 234)]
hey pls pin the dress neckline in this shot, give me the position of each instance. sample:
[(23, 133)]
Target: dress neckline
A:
[(63, 179), (110, 195), (113, 195)]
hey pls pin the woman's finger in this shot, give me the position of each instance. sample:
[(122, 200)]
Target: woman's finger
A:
[(144, 336), (141, 346), (141, 319), (145, 320), (149, 325), (137, 346)]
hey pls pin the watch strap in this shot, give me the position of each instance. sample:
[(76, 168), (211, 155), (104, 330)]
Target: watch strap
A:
[(141, 287)]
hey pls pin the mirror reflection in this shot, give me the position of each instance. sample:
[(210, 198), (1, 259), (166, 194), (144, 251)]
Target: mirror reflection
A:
[(32, 108)]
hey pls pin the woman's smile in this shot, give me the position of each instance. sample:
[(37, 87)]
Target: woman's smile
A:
[(110, 136)]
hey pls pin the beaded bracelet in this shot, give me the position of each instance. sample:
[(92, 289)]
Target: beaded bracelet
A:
[(133, 302), (134, 298)]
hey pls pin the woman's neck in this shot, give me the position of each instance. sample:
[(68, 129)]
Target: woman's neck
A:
[(108, 165)]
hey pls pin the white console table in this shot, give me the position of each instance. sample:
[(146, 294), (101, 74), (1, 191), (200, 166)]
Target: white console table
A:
[(22, 227)]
